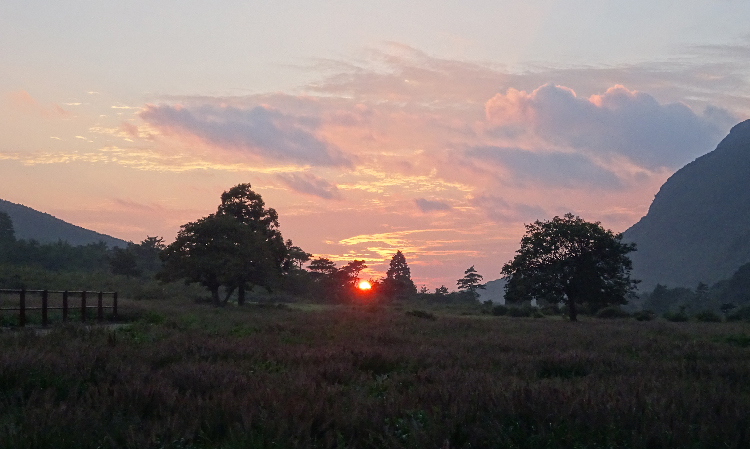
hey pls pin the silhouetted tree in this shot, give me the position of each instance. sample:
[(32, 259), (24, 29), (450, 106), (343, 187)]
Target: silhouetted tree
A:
[(263, 252), (397, 282), (295, 256), (471, 281), (571, 261), (322, 267), (442, 290), (123, 261), (237, 247), (7, 232)]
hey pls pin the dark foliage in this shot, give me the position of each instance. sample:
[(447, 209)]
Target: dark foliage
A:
[(676, 317), (499, 310), (612, 312), (644, 315), (238, 247), (571, 261), (397, 283), (421, 314), (471, 282), (708, 316)]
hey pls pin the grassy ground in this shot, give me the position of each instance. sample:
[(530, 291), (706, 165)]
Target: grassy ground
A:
[(188, 375)]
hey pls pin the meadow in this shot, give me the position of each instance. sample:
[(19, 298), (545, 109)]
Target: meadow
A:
[(180, 374)]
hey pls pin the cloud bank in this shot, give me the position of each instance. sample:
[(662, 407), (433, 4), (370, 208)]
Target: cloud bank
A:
[(261, 131), (620, 121), (426, 205), (309, 184)]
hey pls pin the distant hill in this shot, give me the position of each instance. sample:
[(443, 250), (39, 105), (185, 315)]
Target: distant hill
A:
[(698, 226), (32, 224), (493, 291)]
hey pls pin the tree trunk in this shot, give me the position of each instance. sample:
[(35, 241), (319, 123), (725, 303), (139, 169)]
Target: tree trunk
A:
[(572, 309), (228, 295), (215, 296), (241, 295)]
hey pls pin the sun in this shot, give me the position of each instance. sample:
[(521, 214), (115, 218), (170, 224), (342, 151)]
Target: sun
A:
[(364, 285)]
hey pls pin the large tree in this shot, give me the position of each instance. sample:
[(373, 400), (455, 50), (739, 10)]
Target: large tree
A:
[(569, 260), (239, 246), (397, 282)]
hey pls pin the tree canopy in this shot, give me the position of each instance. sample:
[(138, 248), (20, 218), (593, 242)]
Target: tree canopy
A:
[(397, 282), (471, 282), (239, 246), (569, 260)]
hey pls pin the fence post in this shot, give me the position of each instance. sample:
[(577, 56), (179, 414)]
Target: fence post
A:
[(44, 308), (99, 308), (65, 306), (114, 307), (83, 306), (22, 308)]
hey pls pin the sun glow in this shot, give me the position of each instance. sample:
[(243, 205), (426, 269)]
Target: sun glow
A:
[(364, 285)]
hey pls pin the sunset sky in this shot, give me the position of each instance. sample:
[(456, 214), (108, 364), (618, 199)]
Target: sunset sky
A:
[(436, 128)]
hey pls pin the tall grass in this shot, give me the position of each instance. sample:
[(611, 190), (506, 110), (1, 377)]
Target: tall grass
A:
[(198, 377)]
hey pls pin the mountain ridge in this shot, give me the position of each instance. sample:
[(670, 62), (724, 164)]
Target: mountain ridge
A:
[(30, 224), (697, 229)]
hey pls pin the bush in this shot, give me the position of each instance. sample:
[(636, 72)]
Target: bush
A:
[(742, 314), (612, 312), (551, 309), (500, 310), (676, 317), (519, 312), (421, 314), (708, 316), (644, 315)]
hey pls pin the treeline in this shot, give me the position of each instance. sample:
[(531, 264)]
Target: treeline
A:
[(730, 297)]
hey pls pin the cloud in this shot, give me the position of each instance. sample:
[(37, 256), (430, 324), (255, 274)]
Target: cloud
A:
[(500, 211), (620, 121), (548, 168), (260, 131), (310, 184), (22, 101), (426, 205)]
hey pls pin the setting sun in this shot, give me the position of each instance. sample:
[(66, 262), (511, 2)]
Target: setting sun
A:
[(364, 285)]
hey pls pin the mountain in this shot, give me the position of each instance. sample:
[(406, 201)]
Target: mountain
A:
[(493, 291), (32, 224), (698, 226)]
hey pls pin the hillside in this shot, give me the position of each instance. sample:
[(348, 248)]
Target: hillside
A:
[(32, 224), (698, 226), (493, 291)]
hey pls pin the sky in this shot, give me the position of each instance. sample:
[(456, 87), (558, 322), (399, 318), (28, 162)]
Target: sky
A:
[(438, 129)]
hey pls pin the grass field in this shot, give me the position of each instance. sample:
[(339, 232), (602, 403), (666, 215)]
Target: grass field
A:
[(187, 375)]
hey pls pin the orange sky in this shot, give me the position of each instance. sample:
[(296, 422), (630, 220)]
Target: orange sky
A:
[(439, 154)]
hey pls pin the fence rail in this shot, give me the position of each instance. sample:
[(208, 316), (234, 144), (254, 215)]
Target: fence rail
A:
[(66, 296)]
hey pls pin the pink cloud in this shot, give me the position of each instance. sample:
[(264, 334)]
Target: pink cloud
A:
[(620, 121), (22, 101), (260, 131)]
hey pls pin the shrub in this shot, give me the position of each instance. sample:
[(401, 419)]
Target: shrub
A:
[(519, 312), (644, 315), (676, 317), (708, 316), (500, 310), (612, 312), (551, 309), (741, 340), (741, 314), (421, 314)]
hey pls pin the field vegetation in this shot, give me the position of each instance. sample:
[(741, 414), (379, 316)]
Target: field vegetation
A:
[(182, 374)]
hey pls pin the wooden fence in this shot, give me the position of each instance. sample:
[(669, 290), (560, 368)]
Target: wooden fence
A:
[(67, 296)]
